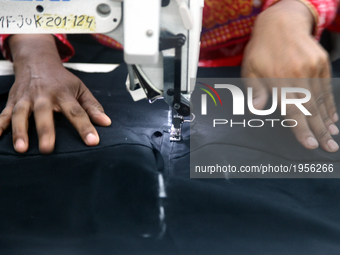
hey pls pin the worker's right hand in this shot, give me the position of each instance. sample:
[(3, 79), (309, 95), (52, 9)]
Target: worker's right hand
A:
[(282, 46)]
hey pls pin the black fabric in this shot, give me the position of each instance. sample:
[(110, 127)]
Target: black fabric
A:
[(105, 199)]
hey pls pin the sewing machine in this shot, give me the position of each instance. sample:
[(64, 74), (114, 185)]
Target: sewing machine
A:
[(160, 38)]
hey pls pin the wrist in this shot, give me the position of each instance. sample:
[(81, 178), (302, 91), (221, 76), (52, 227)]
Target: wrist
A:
[(294, 14), (28, 48)]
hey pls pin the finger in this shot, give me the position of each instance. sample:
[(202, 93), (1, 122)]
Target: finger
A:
[(309, 128), (5, 118), (259, 90), (322, 134), (93, 108), (302, 131), (43, 115), (20, 115), (80, 120), (327, 89), (317, 93), (315, 123)]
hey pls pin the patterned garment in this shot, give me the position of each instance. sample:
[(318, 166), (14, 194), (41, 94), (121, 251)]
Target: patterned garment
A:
[(227, 25)]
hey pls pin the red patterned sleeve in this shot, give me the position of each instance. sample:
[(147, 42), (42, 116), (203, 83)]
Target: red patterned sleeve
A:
[(66, 51), (324, 12)]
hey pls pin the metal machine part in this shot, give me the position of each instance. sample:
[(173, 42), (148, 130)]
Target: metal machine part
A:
[(147, 30), (176, 128)]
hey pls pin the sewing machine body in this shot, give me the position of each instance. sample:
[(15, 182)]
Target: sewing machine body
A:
[(160, 38)]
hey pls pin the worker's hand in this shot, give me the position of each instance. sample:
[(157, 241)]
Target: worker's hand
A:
[(282, 46), (43, 86)]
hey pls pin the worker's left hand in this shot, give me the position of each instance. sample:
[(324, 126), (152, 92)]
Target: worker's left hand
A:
[(43, 86)]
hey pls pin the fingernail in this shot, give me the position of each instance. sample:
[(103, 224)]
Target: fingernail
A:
[(107, 119), (92, 139), (333, 129), (333, 145), (335, 117), (256, 101), (47, 145), (312, 142), (20, 145)]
